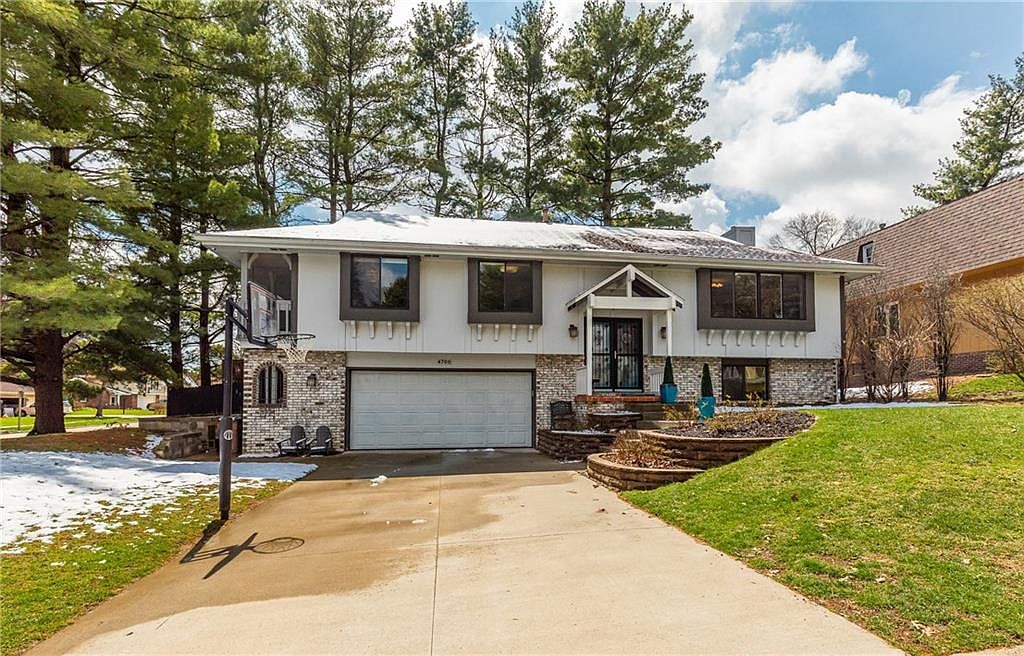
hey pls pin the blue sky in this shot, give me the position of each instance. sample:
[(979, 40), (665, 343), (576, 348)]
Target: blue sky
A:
[(839, 106), (895, 55)]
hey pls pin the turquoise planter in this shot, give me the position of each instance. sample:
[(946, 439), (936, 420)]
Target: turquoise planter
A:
[(669, 393), (706, 405)]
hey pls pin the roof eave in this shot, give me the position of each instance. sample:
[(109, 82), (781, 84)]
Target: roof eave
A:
[(251, 243)]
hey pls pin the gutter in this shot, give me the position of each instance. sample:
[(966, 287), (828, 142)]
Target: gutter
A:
[(252, 244)]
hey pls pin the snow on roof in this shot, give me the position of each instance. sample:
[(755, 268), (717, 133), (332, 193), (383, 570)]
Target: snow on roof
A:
[(469, 234)]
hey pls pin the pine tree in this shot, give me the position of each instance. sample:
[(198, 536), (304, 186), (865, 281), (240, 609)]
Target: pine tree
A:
[(261, 73), (191, 170), (991, 148), (529, 107), (354, 91), (442, 54), (480, 159), (636, 98), (67, 75)]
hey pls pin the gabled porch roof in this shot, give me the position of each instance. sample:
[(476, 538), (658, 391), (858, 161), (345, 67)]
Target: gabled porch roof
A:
[(648, 295)]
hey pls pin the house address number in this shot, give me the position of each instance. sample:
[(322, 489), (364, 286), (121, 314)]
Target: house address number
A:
[(444, 361)]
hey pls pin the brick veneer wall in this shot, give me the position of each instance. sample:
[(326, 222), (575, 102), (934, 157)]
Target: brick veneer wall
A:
[(686, 372), (795, 380), (556, 381), (305, 405)]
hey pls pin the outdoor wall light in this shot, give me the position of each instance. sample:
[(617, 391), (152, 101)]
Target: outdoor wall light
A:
[(663, 332), (574, 332), (311, 380)]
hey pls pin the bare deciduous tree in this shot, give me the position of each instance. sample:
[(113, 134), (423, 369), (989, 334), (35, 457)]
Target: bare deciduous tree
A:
[(996, 308), (820, 231), (884, 334), (941, 323)]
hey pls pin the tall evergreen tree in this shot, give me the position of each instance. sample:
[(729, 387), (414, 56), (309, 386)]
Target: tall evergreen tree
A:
[(529, 107), (636, 97), (262, 73), (191, 170), (442, 55), (353, 94), (480, 159), (67, 76), (991, 148)]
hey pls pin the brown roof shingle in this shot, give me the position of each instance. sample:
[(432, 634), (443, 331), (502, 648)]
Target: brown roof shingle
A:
[(980, 230)]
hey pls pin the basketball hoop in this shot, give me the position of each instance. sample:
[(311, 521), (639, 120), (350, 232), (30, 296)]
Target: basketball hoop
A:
[(289, 344)]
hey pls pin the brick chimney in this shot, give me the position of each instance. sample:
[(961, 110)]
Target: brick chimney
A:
[(743, 234)]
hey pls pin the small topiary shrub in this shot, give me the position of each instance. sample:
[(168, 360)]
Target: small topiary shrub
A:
[(705, 382)]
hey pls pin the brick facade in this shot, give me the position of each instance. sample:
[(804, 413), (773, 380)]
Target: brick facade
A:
[(800, 381), (314, 395), (556, 381)]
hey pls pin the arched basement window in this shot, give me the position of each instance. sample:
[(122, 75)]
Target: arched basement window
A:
[(270, 385)]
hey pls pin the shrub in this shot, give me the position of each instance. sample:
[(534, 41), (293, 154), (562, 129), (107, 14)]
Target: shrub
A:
[(632, 448), (705, 382)]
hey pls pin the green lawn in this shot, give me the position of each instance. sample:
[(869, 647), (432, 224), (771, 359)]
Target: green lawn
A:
[(1006, 387), (908, 521), (78, 418), (49, 585)]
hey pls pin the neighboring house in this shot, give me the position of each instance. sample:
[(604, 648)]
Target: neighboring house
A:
[(124, 395), (440, 332), (9, 393), (980, 237)]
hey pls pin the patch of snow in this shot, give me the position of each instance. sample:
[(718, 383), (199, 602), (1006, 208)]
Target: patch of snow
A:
[(419, 521), (378, 480), (914, 387), (258, 455), (42, 493), (152, 442)]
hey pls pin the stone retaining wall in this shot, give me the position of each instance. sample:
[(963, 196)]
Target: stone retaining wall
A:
[(572, 445), (625, 477), (705, 452)]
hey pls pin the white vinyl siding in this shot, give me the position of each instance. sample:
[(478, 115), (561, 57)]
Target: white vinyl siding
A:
[(440, 409)]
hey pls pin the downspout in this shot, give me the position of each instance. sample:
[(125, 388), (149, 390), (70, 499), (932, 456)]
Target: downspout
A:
[(842, 339)]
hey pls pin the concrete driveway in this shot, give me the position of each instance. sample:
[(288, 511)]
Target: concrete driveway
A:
[(475, 553)]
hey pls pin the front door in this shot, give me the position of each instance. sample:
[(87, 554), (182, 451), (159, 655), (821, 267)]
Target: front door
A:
[(618, 354)]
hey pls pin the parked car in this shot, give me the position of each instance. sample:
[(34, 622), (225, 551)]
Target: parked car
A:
[(29, 410), (157, 406)]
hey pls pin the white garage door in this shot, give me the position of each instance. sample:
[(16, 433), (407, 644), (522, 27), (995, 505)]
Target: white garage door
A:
[(440, 410)]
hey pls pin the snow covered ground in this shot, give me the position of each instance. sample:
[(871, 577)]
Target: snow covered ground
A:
[(42, 493)]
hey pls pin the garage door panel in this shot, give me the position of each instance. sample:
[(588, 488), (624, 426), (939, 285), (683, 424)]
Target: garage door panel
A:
[(418, 409)]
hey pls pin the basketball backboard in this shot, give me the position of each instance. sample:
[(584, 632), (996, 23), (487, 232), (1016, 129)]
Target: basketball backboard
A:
[(263, 321)]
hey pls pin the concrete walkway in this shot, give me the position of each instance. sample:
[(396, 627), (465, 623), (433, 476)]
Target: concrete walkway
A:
[(469, 553)]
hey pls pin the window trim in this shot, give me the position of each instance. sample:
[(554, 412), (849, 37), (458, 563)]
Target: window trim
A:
[(349, 313), (869, 248), (707, 322), (745, 362), (267, 369), (522, 318)]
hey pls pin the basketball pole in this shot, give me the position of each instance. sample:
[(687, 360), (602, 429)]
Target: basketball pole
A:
[(226, 435)]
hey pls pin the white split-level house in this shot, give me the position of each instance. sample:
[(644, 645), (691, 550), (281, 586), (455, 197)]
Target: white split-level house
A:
[(456, 333)]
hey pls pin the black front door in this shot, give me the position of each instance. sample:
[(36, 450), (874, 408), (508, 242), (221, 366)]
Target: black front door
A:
[(618, 354)]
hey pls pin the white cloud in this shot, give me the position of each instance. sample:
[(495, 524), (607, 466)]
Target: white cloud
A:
[(790, 132), (707, 210), (860, 154)]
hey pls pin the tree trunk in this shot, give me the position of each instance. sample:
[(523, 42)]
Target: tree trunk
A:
[(48, 382), (99, 403), (205, 365), (174, 336)]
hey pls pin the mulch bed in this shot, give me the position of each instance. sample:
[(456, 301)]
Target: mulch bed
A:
[(103, 440), (747, 424)]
